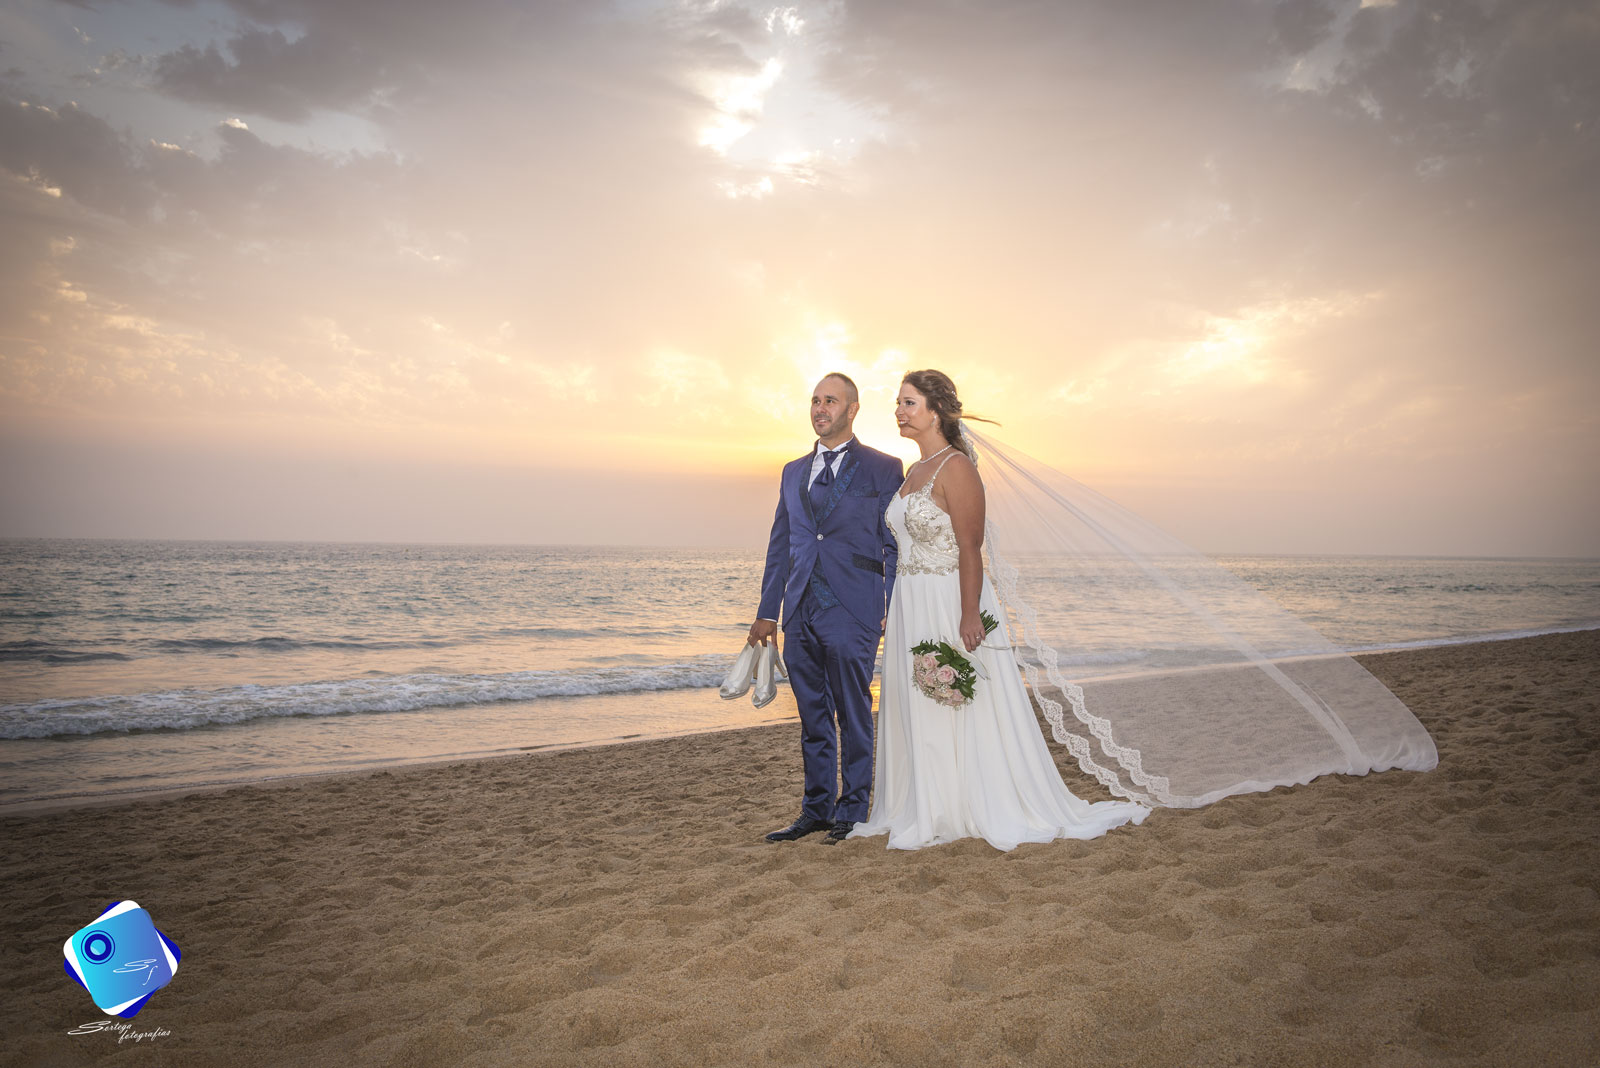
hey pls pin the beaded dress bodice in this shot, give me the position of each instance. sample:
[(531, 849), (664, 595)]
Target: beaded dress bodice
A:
[(926, 538)]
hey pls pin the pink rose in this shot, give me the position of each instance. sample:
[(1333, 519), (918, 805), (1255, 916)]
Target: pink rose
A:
[(929, 661), (947, 674)]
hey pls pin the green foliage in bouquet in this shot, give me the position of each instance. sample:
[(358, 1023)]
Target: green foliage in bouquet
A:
[(943, 672)]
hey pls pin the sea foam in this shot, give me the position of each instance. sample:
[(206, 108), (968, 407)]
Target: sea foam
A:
[(185, 709)]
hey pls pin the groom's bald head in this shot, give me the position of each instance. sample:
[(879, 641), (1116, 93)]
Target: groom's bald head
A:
[(851, 393)]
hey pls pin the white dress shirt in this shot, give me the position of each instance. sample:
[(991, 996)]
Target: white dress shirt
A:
[(817, 461)]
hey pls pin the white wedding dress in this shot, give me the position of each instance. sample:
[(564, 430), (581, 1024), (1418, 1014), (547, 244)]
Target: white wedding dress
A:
[(979, 771)]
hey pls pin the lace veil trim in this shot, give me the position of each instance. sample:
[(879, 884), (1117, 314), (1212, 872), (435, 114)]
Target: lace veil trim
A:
[(1260, 735)]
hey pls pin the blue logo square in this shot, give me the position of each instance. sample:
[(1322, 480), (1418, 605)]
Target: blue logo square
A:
[(121, 959)]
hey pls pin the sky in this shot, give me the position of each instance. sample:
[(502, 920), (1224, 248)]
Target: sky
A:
[(1309, 276)]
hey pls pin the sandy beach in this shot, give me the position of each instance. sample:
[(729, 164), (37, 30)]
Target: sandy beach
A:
[(618, 906)]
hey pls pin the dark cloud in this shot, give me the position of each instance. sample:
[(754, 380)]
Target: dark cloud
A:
[(1300, 25), (289, 58), (72, 150), (523, 202), (1441, 126), (264, 73)]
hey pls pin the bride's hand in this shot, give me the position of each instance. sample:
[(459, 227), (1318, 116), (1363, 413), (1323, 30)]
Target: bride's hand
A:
[(972, 632)]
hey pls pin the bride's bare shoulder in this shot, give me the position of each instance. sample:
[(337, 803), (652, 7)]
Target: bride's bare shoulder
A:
[(958, 479), (960, 467)]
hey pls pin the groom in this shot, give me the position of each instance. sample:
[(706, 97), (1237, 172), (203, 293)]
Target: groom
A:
[(830, 565)]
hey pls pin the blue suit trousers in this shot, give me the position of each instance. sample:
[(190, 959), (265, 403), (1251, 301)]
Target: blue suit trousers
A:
[(830, 656)]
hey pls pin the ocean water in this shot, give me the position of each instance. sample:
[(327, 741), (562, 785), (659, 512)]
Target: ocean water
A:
[(129, 666)]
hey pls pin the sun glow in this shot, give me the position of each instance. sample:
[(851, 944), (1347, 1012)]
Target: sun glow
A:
[(738, 100), (1243, 349)]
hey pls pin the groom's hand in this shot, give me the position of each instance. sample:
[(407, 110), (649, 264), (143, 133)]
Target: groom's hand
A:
[(761, 631)]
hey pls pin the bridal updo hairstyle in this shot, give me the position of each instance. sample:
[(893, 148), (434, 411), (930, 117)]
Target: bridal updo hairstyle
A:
[(940, 394)]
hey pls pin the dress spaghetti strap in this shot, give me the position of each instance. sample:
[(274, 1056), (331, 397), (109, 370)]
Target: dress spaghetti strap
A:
[(935, 477)]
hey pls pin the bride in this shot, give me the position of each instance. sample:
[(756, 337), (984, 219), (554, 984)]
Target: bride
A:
[(982, 770), (1169, 679)]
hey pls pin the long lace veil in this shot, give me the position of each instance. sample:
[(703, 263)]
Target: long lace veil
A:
[(1172, 681)]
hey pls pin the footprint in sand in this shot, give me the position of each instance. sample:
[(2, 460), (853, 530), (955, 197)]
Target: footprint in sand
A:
[(974, 970)]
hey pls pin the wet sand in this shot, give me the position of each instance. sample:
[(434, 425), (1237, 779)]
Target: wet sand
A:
[(618, 906)]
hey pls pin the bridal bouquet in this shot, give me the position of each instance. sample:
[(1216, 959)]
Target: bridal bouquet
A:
[(943, 673)]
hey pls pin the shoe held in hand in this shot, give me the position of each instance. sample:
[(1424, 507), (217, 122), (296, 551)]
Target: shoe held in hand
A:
[(737, 684), (769, 668)]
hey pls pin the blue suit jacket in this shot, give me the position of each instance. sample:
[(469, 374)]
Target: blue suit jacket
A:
[(846, 539)]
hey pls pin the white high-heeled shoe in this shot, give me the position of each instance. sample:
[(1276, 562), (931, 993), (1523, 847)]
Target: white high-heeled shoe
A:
[(742, 674), (768, 665)]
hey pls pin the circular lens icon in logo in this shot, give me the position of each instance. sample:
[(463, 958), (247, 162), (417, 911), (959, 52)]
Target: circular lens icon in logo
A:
[(98, 947)]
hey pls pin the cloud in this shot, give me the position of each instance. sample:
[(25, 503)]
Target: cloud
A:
[(738, 101), (518, 235), (286, 59), (265, 73), (72, 150), (1300, 25)]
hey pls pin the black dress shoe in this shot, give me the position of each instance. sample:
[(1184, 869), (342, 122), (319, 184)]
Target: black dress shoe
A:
[(839, 832), (799, 829)]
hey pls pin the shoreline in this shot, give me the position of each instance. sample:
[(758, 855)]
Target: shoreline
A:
[(40, 806), (1359, 651), (782, 712), (616, 905)]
